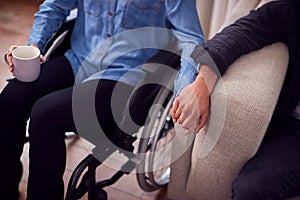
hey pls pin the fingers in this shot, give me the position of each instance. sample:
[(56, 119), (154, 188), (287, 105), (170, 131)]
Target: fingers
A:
[(189, 131), (175, 111), (180, 111), (202, 121), (189, 127), (42, 59), (192, 123), (9, 57), (12, 47), (183, 116), (189, 124), (175, 107)]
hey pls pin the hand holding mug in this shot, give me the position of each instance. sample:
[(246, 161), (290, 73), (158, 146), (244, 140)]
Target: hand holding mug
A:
[(24, 62), (8, 58)]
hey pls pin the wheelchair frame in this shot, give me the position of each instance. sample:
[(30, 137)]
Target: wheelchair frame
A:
[(146, 180), (148, 143)]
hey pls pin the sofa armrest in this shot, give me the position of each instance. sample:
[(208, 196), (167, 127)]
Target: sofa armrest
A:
[(249, 90)]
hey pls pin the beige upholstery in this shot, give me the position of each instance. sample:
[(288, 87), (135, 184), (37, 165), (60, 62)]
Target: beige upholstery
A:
[(216, 14), (241, 108)]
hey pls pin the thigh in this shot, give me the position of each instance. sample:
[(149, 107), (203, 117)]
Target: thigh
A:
[(276, 166), (19, 97), (84, 108), (97, 108)]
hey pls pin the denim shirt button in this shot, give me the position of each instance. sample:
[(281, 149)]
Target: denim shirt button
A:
[(108, 35), (110, 13)]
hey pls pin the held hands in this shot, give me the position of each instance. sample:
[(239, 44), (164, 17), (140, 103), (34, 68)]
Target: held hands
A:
[(191, 107), (9, 57)]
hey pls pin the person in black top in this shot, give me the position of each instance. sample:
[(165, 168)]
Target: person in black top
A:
[(274, 172)]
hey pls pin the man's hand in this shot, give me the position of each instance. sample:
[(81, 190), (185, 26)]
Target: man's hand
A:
[(191, 107)]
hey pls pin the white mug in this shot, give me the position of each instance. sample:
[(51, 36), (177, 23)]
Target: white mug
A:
[(26, 60)]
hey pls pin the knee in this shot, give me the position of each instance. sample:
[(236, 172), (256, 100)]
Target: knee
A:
[(42, 117), (253, 186), (41, 110)]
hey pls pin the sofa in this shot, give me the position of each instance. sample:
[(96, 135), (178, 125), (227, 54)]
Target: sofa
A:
[(241, 107)]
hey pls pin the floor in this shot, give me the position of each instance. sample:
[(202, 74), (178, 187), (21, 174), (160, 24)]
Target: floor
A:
[(16, 17)]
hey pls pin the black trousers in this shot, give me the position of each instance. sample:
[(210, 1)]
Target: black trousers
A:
[(274, 172), (16, 102), (55, 106)]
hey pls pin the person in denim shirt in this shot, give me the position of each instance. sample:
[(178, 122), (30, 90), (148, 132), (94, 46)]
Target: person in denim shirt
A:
[(97, 33)]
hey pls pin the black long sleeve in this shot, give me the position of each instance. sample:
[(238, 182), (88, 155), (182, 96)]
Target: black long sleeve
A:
[(271, 23), (277, 21)]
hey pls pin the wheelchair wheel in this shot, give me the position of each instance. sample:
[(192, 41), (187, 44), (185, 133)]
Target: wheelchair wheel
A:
[(154, 152)]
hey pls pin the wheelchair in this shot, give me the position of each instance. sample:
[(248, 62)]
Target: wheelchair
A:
[(156, 134)]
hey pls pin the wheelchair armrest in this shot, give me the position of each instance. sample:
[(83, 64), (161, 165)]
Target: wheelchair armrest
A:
[(60, 42), (162, 57)]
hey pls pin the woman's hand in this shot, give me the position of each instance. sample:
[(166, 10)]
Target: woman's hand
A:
[(191, 107), (42, 57), (9, 57)]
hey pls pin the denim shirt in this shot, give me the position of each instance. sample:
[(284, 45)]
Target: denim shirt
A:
[(99, 47)]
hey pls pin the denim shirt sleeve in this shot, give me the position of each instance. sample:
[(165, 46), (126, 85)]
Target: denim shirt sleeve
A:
[(48, 19), (183, 17), (188, 71)]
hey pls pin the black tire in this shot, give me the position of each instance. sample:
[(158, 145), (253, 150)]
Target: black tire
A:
[(158, 132)]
